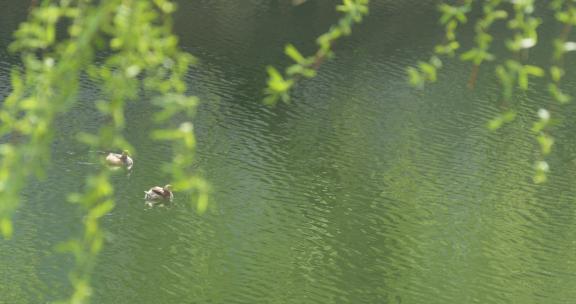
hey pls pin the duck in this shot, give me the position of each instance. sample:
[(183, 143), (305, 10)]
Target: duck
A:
[(120, 160), (158, 194)]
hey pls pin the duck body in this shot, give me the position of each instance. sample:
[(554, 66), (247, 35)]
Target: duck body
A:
[(120, 160), (159, 194)]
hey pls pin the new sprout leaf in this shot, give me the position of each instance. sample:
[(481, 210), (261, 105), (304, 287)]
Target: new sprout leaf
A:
[(101, 209), (202, 203), (495, 124), (534, 70), (498, 121), (546, 143), (556, 73), (276, 82), (6, 227), (293, 53), (414, 77)]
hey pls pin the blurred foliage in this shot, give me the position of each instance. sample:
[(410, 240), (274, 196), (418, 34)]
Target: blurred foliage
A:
[(57, 45), (513, 72), (278, 86)]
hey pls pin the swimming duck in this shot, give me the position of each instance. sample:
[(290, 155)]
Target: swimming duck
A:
[(159, 194), (120, 160)]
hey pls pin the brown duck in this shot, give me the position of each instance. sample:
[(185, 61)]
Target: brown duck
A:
[(159, 194), (120, 160)]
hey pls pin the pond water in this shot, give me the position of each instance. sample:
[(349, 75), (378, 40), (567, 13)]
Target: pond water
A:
[(362, 190)]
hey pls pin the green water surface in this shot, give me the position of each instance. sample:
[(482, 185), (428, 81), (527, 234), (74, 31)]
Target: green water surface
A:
[(362, 190)]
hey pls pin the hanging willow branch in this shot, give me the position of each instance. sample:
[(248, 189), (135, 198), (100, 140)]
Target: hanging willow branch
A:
[(279, 86), (143, 54), (513, 72)]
